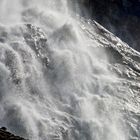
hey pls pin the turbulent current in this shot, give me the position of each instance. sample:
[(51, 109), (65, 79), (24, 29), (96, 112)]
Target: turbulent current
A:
[(54, 82)]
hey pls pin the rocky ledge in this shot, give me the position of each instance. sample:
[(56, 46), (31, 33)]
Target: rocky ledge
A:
[(5, 135)]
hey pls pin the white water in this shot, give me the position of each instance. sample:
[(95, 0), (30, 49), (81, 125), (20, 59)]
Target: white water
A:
[(65, 101)]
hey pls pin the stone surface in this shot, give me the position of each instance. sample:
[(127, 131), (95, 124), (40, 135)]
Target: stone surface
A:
[(5, 135), (125, 62), (122, 17)]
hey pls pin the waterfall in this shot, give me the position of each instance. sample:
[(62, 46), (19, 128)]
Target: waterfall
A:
[(54, 83)]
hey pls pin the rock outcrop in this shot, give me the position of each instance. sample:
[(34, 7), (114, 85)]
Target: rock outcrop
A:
[(5, 135), (125, 62), (122, 17)]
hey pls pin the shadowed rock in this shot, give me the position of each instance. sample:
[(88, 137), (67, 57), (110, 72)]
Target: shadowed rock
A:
[(5, 135)]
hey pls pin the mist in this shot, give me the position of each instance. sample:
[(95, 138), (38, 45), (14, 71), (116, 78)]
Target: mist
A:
[(55, 83)]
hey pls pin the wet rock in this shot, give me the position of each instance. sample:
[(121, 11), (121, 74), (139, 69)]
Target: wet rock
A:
[(122, 17), (5, 135), (125, 63), (37, 40), (4, 128)]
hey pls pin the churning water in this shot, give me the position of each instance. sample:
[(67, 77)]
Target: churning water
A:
[(71, 97)]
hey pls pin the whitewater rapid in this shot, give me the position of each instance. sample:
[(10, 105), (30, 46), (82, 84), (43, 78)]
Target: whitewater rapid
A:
[(70, 97)]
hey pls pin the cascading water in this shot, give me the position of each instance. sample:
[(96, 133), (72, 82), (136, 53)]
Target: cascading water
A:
[(59, 89)]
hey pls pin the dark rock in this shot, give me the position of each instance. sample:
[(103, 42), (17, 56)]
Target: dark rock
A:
[(4, 128), (122, 17), (5, 135)]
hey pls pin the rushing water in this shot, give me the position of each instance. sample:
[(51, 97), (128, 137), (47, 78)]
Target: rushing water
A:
[(67, 99)]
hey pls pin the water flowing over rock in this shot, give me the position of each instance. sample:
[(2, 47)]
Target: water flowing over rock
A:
[(122, 17), (66, 78)]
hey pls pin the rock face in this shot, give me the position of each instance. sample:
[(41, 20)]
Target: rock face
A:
[(123, 89), (122, 17), (5, 135), (125, 62)]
